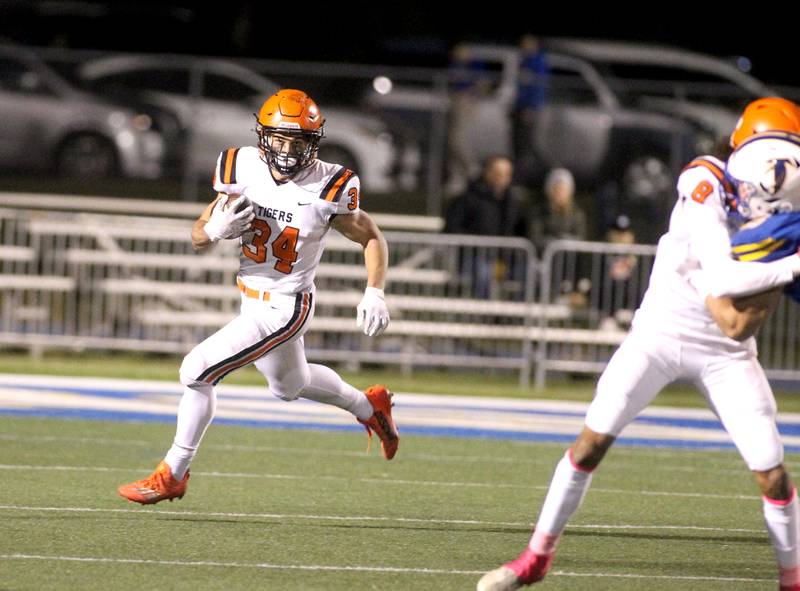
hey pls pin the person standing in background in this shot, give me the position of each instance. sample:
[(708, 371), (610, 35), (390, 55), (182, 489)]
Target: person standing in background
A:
[(532, 85)]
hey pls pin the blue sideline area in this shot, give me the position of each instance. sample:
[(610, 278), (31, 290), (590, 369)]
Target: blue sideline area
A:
[(416, 414)]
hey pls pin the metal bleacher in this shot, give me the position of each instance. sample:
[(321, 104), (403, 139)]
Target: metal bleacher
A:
[(85, 273)]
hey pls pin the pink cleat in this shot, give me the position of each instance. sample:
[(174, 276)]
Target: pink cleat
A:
[(789, 578), (528, 568)]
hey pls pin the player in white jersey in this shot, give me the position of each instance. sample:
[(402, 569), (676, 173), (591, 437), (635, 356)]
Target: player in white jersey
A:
[(280, 202), (675, 337)]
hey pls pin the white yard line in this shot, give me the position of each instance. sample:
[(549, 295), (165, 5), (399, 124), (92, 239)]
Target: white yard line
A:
[(370, 518), (382, 481), (346, 568), (737, 467), (310, 567)]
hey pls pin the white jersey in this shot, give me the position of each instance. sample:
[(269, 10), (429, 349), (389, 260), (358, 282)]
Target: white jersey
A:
[(292, 219), (699, 239)]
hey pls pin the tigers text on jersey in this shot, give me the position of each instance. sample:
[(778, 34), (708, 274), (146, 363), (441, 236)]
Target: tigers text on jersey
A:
[(699, 239), (292, 219)]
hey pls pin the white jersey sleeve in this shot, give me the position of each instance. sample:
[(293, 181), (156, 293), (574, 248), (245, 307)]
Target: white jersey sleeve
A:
[(233, 168), (709, 239), (350, 200), (343, 192)]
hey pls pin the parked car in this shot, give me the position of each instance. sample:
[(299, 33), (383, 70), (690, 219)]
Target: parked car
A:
[(599, 125), (705, 90), (214, 100), (49, 125)]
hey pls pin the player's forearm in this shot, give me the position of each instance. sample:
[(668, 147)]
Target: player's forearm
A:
[(376, 259), (732, 324), (200, 240), (740, 318)]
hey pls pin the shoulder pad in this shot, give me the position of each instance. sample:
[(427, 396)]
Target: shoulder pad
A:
[(713, 166), (226, 166), (236, 168), (332, 191)]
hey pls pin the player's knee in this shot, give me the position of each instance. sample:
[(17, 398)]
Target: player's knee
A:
[(762, 450), (189, 381), (191, 368), (289, 386), (283, 394)]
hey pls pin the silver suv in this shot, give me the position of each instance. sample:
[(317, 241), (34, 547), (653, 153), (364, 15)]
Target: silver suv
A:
[(704, 90), (604, 118), (214, 101), (50, 125)]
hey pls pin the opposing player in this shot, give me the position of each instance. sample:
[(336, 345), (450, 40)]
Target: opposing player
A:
[(771, 225), (765, 171), (280, 201), (675, 337)]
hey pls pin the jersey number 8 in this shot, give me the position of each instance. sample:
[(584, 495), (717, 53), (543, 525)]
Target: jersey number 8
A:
[(702, 191)]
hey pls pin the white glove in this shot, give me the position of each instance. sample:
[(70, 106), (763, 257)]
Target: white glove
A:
[(231, 222), (372, 314)]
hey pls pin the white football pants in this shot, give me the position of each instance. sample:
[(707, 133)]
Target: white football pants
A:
[(734, 385)]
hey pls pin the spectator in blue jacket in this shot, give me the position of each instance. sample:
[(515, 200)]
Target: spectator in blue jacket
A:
[(532, 86)]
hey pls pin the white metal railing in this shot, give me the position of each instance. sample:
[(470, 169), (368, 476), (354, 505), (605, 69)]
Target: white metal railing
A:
[(177, 209), (131, 282), (103, 280), (604, 283)]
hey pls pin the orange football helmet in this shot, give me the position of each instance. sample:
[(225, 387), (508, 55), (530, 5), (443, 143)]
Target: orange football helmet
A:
[(296, 120), (766, 114)]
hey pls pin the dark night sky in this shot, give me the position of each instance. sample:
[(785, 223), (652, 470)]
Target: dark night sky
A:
[(420, 33), (409, 33)]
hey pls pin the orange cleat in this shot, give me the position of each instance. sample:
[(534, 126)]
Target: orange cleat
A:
[(159, 486), (381, 421)]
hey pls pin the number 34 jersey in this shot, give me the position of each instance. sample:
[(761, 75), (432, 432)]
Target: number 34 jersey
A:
[(292, 219)]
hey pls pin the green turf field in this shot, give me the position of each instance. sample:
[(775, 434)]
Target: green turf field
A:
[(273, 509)]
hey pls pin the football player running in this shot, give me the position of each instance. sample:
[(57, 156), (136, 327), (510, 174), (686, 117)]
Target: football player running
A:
[(674, 336), (280, 202)]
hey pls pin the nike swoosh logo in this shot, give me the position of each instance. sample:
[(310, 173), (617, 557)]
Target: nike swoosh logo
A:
[(301, 204), (149, 492)]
